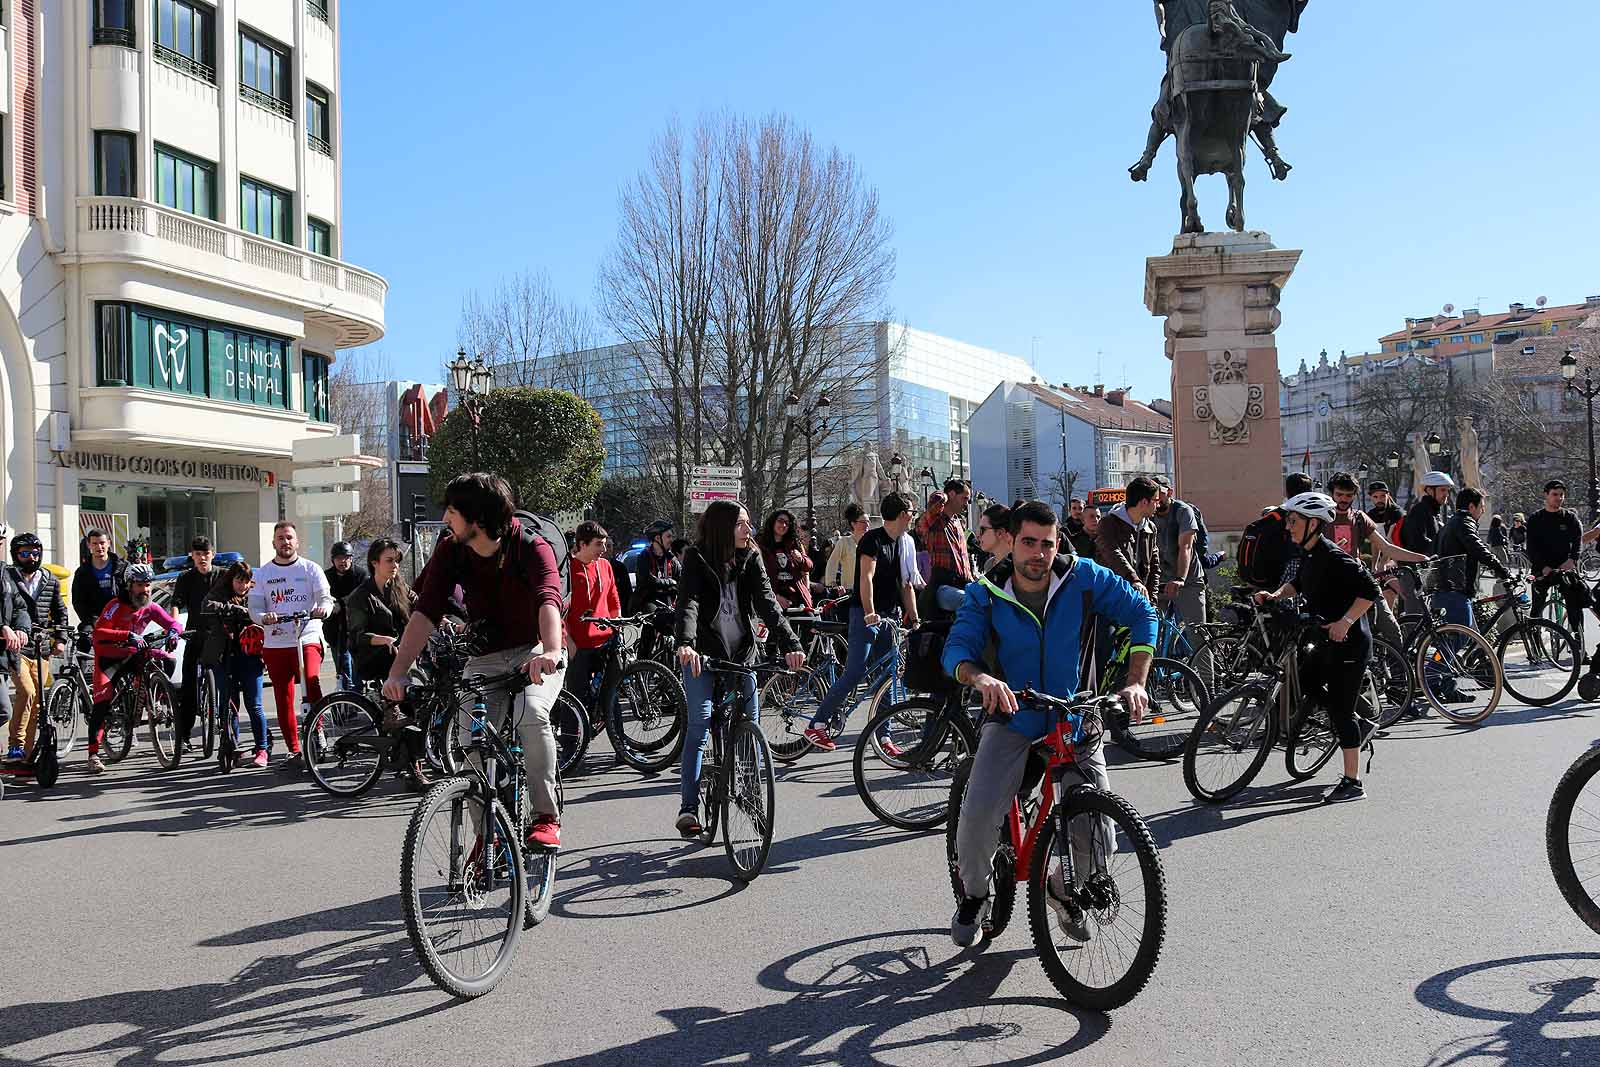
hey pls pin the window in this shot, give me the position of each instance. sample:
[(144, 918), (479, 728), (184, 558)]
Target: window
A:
[(317, 135), (113, 343), (113, 22), (265, 210), (186, 38), (154, 349), (113, 164), (1477, 338), (314, 371), (264, 74), (319, 237), (1455, 338), (185, 183)]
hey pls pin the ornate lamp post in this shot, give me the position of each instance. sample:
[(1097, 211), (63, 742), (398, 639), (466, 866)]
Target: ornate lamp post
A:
[(813, 422), (472, 382), (929, 484), (1361, 482), (1569, 372)]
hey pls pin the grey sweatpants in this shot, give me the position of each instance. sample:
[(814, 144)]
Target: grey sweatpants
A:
[(996, 776), (531, 716)]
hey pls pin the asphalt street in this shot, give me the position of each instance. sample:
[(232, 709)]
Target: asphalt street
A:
[(187, 917)]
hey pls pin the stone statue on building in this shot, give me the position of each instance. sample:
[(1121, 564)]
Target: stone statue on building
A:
[(1222, 56), (864, 474), (1421, 463), (1471, 475)]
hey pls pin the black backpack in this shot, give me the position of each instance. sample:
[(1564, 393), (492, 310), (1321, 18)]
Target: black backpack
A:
[(1202, 536), (1265, 551), (538, 527)]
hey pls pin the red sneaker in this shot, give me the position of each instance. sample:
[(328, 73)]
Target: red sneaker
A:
[(545, 832), (820, 739), (889, 748)]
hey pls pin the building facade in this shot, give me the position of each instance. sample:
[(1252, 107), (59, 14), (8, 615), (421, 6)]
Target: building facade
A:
[(171, 288), (1030, 440)]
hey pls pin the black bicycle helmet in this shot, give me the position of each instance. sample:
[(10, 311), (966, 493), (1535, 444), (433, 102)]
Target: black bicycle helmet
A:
[(657, 528)]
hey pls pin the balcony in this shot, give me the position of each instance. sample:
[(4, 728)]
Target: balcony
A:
[(180, 62), (116, 35), (345, 299), (317, 9), (265, 101), (319, 145)]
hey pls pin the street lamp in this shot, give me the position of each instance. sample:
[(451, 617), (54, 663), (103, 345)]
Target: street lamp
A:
[(1434, 444), (1361, 482), (1569, 372), (929, 483), (1393, 462), (813, 421), (472, 382)]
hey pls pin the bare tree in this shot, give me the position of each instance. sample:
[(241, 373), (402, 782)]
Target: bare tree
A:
[(1062, 485), (359, 404), (522, 327)]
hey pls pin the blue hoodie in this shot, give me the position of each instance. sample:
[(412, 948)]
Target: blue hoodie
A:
[(994, 630)]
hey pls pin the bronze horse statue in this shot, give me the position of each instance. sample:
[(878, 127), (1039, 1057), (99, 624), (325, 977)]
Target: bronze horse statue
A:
[(1214, 95)]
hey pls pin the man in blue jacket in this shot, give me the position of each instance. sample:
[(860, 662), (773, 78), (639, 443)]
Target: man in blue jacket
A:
[(1019, 628)]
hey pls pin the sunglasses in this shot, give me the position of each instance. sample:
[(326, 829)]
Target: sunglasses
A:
[(30, 553)]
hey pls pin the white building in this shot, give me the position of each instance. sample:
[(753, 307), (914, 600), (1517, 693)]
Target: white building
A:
[(1024, 435), (171, 292)]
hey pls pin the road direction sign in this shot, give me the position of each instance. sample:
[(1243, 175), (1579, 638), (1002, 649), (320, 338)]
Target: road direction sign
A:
[(707, 470), (325, 505)]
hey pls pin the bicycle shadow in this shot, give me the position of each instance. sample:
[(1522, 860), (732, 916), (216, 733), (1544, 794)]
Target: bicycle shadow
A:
[(1254, 804), (1546, 1009), (881, 999), (279, 1003)]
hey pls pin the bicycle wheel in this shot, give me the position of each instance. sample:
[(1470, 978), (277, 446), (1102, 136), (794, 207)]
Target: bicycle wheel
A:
[(62, 704), (1572, 837), (1230, 742), (441, 745), (344, 744), (1118, 893), (1539, 662), (1391, 673), (1312, 744), (162, 711), (749, 801), (711, 785), (647, 730), (1460, 673), (904, 761), (788, 700), (570, 721), (206, 699), (1177, 697), (1003, 895), (118, 741), (1589, 566), (463, 888), (1220, 662)]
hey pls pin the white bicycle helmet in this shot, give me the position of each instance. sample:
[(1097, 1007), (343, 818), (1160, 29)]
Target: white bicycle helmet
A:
[(1436, 479), (139, 572), (1311, 505)]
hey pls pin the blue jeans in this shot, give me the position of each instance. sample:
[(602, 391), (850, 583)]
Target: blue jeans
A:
[(1457, 607), (243, 683), (950, 598), (867, 644), (344, 662), (700, 693)]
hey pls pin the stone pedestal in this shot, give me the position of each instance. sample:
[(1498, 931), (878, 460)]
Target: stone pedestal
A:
[(1219, 294)]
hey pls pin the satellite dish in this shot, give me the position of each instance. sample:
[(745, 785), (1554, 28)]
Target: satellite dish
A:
[(1541, 302), (1449, 308)]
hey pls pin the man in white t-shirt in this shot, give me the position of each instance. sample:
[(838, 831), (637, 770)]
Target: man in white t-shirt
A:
[(288, 585)]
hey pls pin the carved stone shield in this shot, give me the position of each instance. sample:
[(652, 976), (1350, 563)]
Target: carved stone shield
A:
[(1229, 402)]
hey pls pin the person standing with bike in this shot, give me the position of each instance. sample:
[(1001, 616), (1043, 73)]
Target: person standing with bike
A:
[(1336, 587), (512, 594), (344, 577), (594, 594), (126, 617), (15, 626), (235, 641), (882, 591), (1355, 532), (1020, 628), (950, 567), (376, 614), (1465, 552), (289, 584), (724, 588), (1554, 541), (840, 570), (99, 578), (1183, 575), (189, 594), (40, 592)]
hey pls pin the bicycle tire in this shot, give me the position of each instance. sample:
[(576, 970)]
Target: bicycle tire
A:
[(1177, 696), (336, 717), (651, 698), (441, 748), (1004, 895), (749, 790), (1539, 641), (119, 729), (458, 793), (1558, 838), (1477, 657), (161, 711), (1255, 732), (46, 761), (206, 700), (1397, 686), (61, 705), (1311, 746), (1219, 661), (709, 790), (1589, 566), (570, 721), (787, 702), (227, 751), (934, 744), (1151, 923)]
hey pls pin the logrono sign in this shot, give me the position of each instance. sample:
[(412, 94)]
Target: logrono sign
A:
[(163, 467)]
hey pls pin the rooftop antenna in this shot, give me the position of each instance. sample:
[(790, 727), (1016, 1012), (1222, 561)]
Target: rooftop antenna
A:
[(1099, 355), (1033, 359)]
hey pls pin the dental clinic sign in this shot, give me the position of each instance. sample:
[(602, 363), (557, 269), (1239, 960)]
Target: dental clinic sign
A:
[(196, 357)]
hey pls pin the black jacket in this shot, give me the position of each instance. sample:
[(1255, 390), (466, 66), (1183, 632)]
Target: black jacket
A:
[(88, 601), (700, 598), (1422, 527), (367, 613), (1331, 581), (49, 608), (13, 613), (189, 591), (341, 586), (1460, 538), (657, 584)]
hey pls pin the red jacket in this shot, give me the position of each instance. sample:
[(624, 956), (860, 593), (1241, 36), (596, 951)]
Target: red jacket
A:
[(594, 592), (117, 622)]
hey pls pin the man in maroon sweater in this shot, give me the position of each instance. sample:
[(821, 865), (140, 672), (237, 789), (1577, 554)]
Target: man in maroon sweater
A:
[(594, 593), (512, 593)]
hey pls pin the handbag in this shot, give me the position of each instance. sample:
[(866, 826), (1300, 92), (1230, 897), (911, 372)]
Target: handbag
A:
[(925, 659)]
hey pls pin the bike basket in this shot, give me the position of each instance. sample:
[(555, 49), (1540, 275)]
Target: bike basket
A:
[(924, 666)]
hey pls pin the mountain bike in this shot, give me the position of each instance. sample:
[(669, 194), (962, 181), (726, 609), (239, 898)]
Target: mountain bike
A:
[(469, 880), (790, 699), (1234, 735), (141, 693), (1572, 837), (68, 700), (1087, 858), (1457, 671), (1539, 660), (908, 753), (736, 776), (646, 726)]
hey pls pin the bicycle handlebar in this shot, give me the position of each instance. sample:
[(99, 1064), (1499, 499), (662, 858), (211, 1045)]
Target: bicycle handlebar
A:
[(726, 666)]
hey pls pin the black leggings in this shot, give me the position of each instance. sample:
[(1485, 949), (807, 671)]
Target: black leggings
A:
[(1333, 674)]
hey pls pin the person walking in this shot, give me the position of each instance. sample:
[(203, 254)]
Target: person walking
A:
[(289, 584), (1499, 543), (344, 577)]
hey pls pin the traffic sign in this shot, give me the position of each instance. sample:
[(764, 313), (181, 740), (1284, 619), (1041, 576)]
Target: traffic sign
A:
[(707, 470), (308, 450), (325, 505)]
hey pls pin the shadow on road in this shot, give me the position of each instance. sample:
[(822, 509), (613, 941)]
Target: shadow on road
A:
[(1252, 805), (892, 999), (280, 1002), (1544, 1010)]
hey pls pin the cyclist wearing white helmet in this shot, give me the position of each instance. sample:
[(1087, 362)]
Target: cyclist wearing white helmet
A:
[(1425, 521), (1336, 587)]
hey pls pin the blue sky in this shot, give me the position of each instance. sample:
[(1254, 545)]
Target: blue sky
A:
[(1443, 153)]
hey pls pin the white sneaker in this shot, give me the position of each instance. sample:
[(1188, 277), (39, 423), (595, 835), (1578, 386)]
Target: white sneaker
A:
[(968, 921), (95, 766)]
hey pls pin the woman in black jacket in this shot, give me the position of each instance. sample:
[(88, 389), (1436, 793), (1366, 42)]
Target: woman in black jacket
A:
[(377, 612), (723, 588), (233, 643)]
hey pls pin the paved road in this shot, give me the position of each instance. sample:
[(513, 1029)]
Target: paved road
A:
[(188, 918)]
